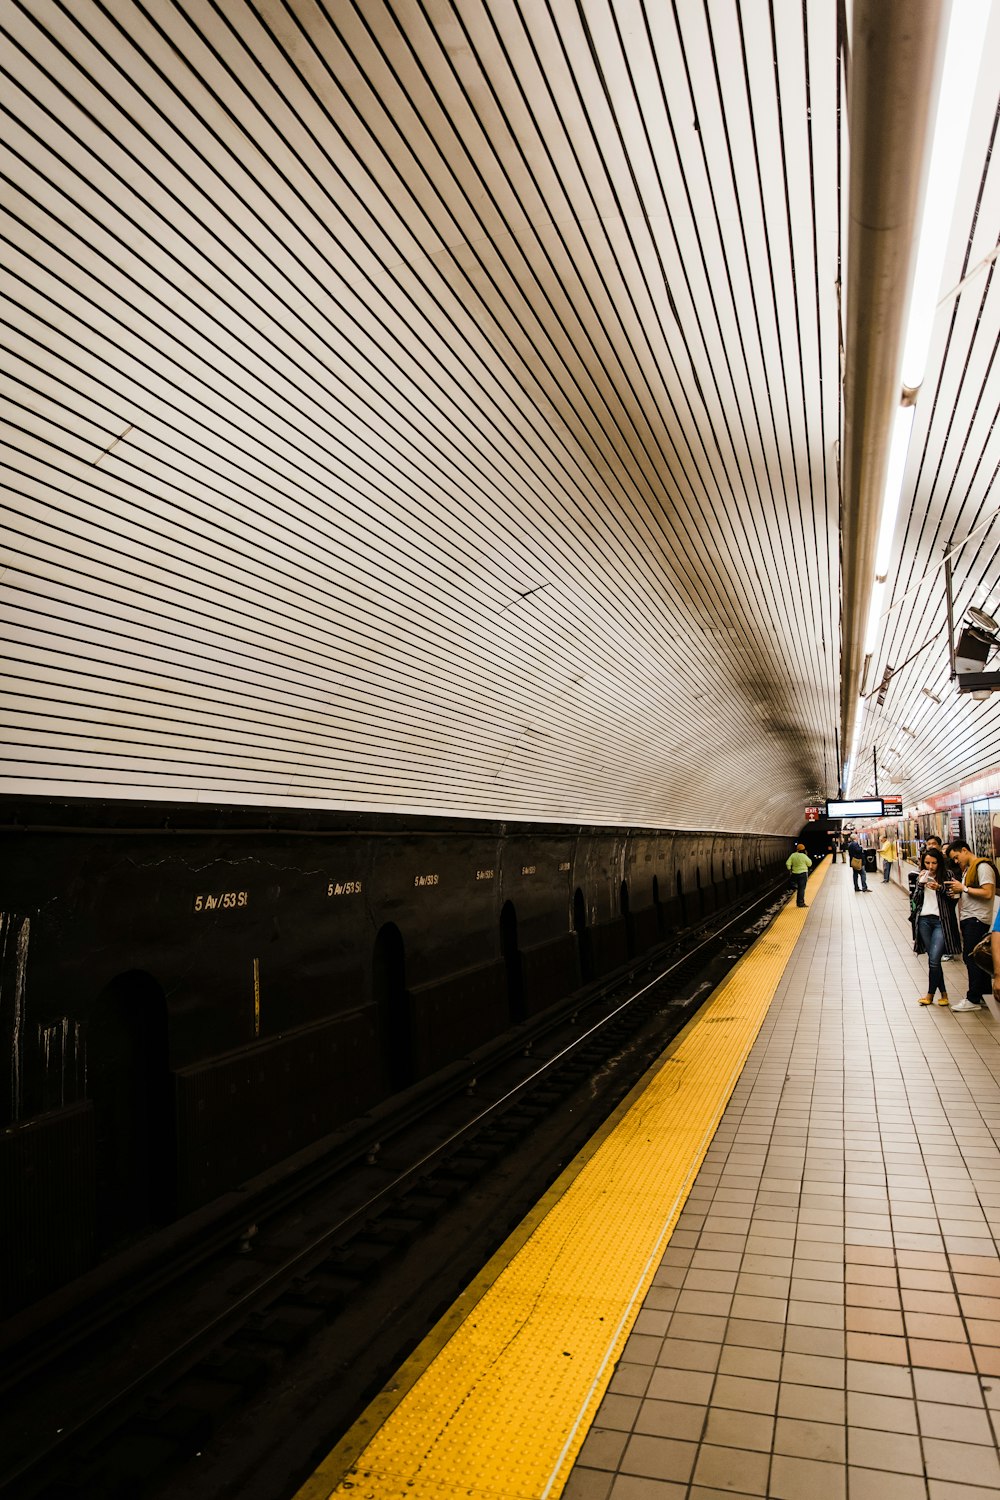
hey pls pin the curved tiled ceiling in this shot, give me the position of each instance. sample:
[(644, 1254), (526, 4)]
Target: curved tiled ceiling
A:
[(924, 736), (435, 408)]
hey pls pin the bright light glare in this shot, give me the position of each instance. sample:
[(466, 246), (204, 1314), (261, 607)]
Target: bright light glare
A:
[(963, 52), (902, 425), (852, 758), (874, 611)]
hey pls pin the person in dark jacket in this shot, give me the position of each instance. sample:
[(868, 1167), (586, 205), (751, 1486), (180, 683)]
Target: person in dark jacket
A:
[(934, 920), (856, 854)]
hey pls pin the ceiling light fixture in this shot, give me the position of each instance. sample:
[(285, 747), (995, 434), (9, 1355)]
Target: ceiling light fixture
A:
[(963, 51), (962, 57)]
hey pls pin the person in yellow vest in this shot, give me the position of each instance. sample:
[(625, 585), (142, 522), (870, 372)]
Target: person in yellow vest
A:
[(887, 854), (799, 863)]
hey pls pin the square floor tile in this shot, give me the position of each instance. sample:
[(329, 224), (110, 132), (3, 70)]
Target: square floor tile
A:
[(588, 1484), (669, 1419), (754, 1364), (793, 1478), (813, 1369), (809, 1439), (961, 1424), (963, 1463), (687, 1354), (739, 1429), (884, 1413), (686, 1386), (658, 1458), (876, 1484), (740, 1394), (877, 1348), (941, 1356), (732, 1470), (945, 1385), (811, 1403), (602, 1448), (896, 1451), (630, 1380)]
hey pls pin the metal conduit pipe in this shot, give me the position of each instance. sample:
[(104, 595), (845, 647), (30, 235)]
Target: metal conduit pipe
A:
[(896, 53)]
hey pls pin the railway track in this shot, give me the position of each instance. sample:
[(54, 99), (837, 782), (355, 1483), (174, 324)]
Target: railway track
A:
[(170, 1359)]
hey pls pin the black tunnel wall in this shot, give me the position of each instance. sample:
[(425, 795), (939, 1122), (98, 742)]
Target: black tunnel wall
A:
[(189, 995)]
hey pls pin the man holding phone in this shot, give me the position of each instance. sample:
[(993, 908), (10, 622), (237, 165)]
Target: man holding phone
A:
[(977, 889)]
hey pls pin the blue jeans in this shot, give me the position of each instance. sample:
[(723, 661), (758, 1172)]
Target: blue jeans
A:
[(932, 937), (863, 877), (886, 870), (800, 888)]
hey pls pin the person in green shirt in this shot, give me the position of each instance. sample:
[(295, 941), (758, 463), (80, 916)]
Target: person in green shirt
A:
[(800, 864)]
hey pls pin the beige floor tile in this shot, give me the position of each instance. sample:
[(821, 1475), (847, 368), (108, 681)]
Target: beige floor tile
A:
[(963, 1463), (811, 1403), (898, 1452), (961, 1424), (685, 1386), (635, 1487), (987, 1359), (944, 1489), (740, 1394), (588, 1484), (877, 1348), (732, 1470), (658, 1458), (739, 1429), (630, 1380), (884, 1413), (669, 1419), (936, 1355), (874, 1320), (876, 1484), (810, 1439), (754, 1364), (885, 1297), (795, 1478), (603, 1448), (687, 1354)]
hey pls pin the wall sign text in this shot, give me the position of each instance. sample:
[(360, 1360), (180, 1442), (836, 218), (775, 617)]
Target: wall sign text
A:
[(224, 901)]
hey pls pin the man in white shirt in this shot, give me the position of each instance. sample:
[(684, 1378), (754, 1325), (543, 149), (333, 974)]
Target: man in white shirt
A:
[(977, 889)]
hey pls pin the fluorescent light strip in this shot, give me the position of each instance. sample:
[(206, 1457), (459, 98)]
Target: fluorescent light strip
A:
[(963, 54)]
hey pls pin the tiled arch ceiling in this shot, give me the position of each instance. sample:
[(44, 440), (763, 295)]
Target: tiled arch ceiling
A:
[(424, 407), (918, 731)]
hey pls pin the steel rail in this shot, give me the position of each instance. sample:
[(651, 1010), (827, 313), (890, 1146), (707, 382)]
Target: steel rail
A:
[(211, 1333)]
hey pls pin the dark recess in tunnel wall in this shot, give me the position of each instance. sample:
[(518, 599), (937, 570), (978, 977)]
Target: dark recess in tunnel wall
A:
[(190, 995)]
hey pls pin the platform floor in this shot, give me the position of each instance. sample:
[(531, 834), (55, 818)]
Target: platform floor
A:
[(825, 1321)]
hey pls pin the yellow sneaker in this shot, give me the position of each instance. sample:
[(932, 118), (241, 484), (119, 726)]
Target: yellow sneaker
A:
[(942, 999), (924, 1000)]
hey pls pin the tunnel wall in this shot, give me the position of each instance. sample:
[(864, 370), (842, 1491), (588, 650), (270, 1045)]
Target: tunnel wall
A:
[(187, 997)]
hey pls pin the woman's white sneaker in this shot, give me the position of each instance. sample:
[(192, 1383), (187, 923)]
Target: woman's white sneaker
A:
[(966, 1005)]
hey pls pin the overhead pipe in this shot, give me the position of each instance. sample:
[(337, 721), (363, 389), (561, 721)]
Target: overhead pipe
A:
[(895, 63)]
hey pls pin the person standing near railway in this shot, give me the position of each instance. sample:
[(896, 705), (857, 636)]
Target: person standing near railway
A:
[(976, 891), (934, 922), (857, 857), (887, 854), (799, 863)]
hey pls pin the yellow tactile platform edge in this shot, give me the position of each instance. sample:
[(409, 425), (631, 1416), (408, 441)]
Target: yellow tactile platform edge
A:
[(497, 1400)]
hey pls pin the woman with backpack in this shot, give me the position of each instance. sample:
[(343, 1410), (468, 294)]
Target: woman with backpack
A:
[(935, 924)]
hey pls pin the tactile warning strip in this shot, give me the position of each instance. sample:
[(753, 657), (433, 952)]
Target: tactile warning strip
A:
[(503, 1406)]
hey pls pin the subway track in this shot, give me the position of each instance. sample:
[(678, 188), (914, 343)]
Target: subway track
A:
[(230, 1375)]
